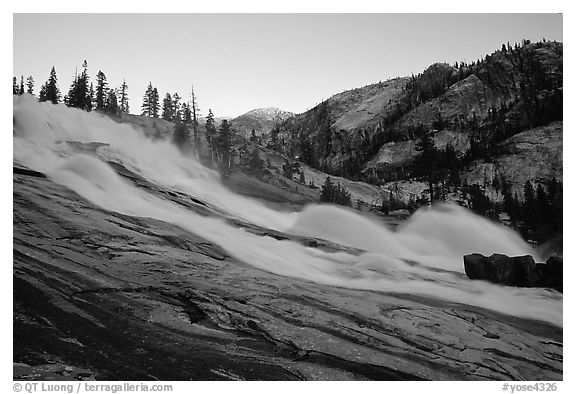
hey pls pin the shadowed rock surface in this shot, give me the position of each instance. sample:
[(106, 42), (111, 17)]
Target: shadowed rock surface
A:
[(515, 271), (100, 295)]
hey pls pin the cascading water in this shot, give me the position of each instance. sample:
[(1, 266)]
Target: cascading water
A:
[(434, 239)]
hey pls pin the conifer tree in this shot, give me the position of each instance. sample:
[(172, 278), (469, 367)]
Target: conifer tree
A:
[(426, 161), (328, 191), (147, 101), (91, 95), (83, 99), (123, 99), (195, 112), (225, 146), (42, 93), (21, 89), (167, 108), (79, 92), (186, 113), (176, 106), (51, 90), (15, 85), (101, 90), (111, 105), (155, 103), (30, 85), (211, 135), (69, 98)]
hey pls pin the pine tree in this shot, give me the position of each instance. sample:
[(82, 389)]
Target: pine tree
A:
[(15, 85), (335, 193), (124, 107), (51, 90), (195, 112), (426, 161), (211, 135), (111, 105), (42, 93), (224, 141), (167, 108), (155, 103), (186, 113), (328, 191), (30, 85), (91, 95), (70, 97), (82, 97), (101, 90), (175, 106), (342, 196), (79, 92), (147, 101), (21, 89)]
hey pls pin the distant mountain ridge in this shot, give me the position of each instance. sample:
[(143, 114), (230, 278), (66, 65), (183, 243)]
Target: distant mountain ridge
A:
[(261, 120)]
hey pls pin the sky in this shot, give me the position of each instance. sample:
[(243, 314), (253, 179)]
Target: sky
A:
[(239, 62)]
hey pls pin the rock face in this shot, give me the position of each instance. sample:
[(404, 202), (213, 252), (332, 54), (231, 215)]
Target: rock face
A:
[(100, 295), (519, 271), (369, 133)]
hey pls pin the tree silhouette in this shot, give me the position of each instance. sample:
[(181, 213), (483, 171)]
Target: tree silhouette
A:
[(211, 136), (30, 85), (123, 99), (101, 90), (151, 102), (50, 91), (167, 108), (224, 142), (193, 106), (426, 161)]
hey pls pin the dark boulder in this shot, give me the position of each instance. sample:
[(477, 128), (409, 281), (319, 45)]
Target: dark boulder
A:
[(554, 273), (519, 271), (475, 266), (499, 268)]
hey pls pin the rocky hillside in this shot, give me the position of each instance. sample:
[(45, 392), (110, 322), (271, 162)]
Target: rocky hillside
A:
[(261, 120), (488, 109)]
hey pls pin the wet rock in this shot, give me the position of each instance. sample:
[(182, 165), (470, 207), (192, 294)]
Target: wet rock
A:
[(475, 266), (519, 271), (499, 268), (27, 172), (312, 243), (552, 273), (77, 315)]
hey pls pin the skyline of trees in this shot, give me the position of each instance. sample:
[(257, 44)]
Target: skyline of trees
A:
[(81, 93)]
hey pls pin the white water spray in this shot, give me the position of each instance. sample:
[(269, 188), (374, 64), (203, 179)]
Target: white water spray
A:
[(436, 239)]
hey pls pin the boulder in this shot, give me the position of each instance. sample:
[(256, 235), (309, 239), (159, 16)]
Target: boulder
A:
[(475, 266), (499, 268), (554, 276)]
